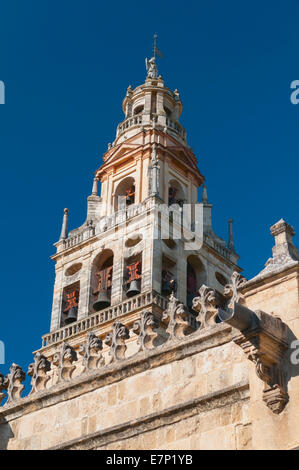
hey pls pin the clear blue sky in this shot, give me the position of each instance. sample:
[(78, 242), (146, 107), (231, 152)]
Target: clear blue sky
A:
[(67, 64)]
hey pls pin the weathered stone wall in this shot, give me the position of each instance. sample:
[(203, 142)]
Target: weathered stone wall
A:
[(192, 394)]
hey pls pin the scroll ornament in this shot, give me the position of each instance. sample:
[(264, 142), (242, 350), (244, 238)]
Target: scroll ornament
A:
[(38, 371), (91, 352), (145, 328), (116, 340), (64, 361)]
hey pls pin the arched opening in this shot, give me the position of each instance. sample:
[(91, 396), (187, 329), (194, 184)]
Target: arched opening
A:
[(124, 194), (102, 272), (138, 109), (176, 193), (196, 277), (70, 303), (132, 275), (168, 276)]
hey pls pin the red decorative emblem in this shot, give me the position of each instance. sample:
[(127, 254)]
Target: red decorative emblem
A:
[(72, 299), (104, 279), (134, 271)]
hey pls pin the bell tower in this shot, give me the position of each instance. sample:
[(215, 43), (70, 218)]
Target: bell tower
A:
[(146, 235)]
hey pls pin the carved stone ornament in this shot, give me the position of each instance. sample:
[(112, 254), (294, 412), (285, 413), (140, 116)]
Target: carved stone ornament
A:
[(116, 340), (206, 307), (91, 352), (265, 345), (3, 386), (145, 329), (284, 253), (64, 361), (178, 319), (13, 382), (38, 371), (232, 291)]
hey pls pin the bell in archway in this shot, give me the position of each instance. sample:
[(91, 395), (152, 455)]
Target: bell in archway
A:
[(133, 289), (103, 301), (71, 315)]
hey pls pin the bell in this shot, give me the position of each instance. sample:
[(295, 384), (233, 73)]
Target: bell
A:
[(133, 289), (103, 301), (71, 316)]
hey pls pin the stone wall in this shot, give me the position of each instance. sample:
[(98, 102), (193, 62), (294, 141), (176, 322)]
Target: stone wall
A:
[(192, 394)]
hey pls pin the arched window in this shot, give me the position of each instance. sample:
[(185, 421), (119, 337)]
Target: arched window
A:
[(176, 193), (102, 272), (124, 194), (70, 303), (133, 275), (196, 277), (138, 109)]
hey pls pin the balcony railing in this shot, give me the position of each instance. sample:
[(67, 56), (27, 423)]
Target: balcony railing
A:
[(141, 119), (139, 301)]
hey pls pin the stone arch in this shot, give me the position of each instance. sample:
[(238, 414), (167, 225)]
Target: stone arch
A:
[(176, 193), (101, 275), (196, 277), (124, 194)]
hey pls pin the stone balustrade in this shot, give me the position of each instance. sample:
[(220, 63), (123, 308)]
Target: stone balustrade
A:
[(142, 120), (268, 335), (139, 301), (150, 331)]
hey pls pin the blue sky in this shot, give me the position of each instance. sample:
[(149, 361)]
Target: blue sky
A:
[(66, 66)]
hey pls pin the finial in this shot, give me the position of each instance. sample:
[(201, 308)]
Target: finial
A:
[(63, 234), (231, 244), (204, 194), (155, 49), (151, 66), (283, 234), (95, 187)]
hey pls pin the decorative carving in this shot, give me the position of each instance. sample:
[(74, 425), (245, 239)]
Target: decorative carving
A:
[(72, 300), (64, 361), (13, 382), (265, 346), (104, 279), (3, 386), (206, 307), (145, 329), (284, 253), (178, 319), (232, 290), (38, 371), (91, 352), (116, 340)]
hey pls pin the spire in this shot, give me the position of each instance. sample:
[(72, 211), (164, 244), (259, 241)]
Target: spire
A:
[(204, 194), (95, 187), (151, 66), (231, 244), (63, 234)]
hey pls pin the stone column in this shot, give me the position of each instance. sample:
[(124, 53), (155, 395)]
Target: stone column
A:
[(85, 287), (138, 181), (57, 299), (166, 180), (118, 269), (181, 273)]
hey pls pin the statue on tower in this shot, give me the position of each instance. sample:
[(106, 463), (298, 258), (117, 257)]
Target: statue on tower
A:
[(151, 67)]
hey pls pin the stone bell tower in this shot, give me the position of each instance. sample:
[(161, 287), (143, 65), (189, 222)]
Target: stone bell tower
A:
[(136, 245)]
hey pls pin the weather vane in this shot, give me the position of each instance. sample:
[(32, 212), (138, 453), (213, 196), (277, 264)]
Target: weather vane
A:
[(151, 66), (155, 49)]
